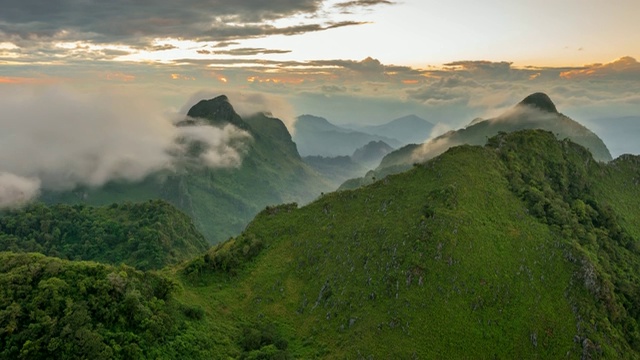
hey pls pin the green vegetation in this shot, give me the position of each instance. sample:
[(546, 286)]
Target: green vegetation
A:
[(58, 309), (524, 248), (148, 235)]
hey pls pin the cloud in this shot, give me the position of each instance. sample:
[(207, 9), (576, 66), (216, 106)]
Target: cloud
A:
[(347, 7), (332, 89), (223, 146), (16, 190), (625, 68), (439, 129), (363, 3), (431, 149), (33, 24), (61, 138), (224, 31), (446, 90), (246, 51)]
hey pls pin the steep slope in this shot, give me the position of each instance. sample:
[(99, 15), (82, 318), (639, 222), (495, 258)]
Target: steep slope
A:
[(317, 136), (148, 235), (507, 251), (536, 111), (410, 129), (221, 201)]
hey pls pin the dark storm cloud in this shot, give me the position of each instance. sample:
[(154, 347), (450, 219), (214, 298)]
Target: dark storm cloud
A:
[(135, 22)]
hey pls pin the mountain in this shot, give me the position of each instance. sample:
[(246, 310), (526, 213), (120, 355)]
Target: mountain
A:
[(409, 129), (336, 169), (371, 154), (221, 201), (339, 169), (148, 235), (526, 247), (317, 136), (536, 111)]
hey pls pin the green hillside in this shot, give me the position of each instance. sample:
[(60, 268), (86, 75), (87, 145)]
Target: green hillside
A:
[(148, 235), (524, 248), (506, 251), (221, 201)]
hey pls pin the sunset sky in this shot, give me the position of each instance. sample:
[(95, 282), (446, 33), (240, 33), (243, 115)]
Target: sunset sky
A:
[(350, 61)]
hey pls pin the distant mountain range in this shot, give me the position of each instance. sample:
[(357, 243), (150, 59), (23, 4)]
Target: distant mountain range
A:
[(409, 129), (536, 111), (317, 136), (338, 169), (371, 154), (340, 153)]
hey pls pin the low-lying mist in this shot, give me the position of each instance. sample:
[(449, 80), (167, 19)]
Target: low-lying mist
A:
[(59, 138)]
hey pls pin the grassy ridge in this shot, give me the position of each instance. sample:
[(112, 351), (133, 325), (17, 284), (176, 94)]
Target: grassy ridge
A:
[(444, 260)]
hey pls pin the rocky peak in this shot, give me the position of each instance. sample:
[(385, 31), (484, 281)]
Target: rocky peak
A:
[(539, 101), (217, 111)]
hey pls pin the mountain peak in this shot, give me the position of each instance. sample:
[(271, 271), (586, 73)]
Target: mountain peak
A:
[(540, 101), (217, 111)]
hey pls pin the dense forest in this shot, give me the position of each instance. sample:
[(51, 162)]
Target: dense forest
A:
[(148, 235)]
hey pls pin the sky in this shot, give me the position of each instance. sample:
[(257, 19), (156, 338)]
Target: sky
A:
[(351, 61)]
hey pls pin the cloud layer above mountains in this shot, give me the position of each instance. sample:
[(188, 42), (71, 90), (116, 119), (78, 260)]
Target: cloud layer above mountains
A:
[(57, 138), (30, 23)]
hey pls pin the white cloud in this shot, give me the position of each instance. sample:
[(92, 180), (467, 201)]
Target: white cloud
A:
[(16, 190), (63, 138)]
